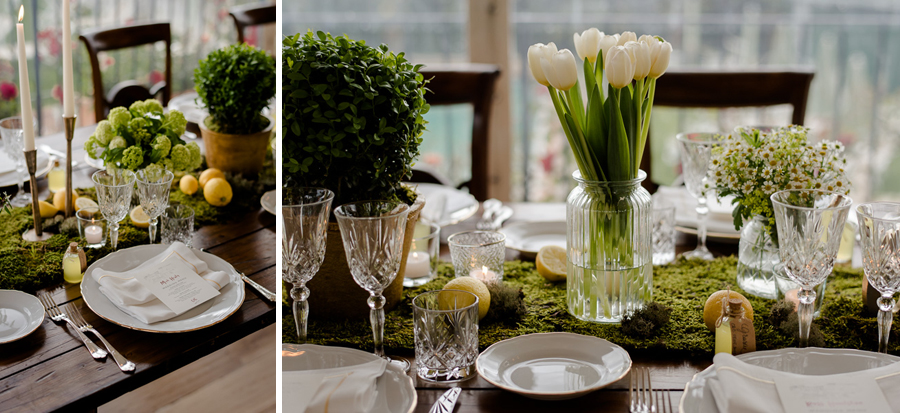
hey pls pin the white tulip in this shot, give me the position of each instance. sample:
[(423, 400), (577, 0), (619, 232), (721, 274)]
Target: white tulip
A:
[(619, 70), (640, 58), (561, 70), (607, 42), (587, 44), (535, 53), (659, 61), (626, 37)]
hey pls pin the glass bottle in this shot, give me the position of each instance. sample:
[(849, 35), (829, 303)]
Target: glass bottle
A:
[(56, 178), (734, 332), (74, 264)]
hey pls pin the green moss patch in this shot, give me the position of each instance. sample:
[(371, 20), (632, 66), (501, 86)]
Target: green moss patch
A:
[(684, 286)]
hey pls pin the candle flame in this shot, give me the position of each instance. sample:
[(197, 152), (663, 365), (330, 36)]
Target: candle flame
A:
[(21, 13), (484, 269)]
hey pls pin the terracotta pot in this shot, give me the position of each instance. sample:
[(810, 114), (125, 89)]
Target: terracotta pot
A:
[(334, 294), (244, 154)]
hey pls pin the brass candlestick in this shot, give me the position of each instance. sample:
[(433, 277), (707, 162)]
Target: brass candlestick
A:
[(36, 234), (69, 122)]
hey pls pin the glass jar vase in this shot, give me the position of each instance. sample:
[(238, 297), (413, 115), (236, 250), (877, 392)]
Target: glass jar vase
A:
[(757, 260), (609, 249)]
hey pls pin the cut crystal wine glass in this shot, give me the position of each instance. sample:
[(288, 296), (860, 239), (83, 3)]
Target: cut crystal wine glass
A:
[(372, 232), (810, 224), (114, 189), (696, 149), (304, 214), (14, 145), (879, 237), (153, 187)]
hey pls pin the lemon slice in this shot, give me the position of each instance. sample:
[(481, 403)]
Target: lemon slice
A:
[(139, 218), (82, 203), (474, 286), (551, 263), (46, 209)]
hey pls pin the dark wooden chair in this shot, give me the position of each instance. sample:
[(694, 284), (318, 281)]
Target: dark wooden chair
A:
[(727, 89), (127, 92), (470, 83), (251, 15)]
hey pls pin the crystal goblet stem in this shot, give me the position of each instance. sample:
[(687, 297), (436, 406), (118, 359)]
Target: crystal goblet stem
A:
[(885, 319), (299, 293), (805, 312), (153, 222), (113, 234), (702, 211)]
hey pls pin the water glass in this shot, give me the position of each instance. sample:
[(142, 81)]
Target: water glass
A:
[(810, 224), (114, 189), (879, 236), (446, 335), (153, 190), (14, 144), (372, 233), (91, 227), (178, 225), (304, 213), (424, 254), (696, 149), (663, 220), (478, 254)]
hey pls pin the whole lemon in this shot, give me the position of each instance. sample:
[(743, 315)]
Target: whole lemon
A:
[(210, 174), (217, 192), (188, 184), (474, 286), (551, 263), (712, 311), (47, 209), (59, 200)]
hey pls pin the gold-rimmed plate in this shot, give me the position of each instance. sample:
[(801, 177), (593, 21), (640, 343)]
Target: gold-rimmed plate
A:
[(207, 314)]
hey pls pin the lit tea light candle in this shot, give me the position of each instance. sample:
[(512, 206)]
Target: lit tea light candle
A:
[(418, 265), (483, 274), (93, 234)]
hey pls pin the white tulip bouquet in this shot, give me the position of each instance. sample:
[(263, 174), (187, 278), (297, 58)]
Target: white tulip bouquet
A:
[(609, 133)]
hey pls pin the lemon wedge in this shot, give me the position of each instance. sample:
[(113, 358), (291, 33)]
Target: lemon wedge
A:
[(551, 263)]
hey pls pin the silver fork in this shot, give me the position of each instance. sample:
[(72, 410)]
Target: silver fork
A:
[(124, 364), (640, 391), (58, 316), (663, 401)]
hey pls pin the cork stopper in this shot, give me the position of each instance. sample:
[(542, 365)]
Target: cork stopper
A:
[(735, 306), (73, 248)]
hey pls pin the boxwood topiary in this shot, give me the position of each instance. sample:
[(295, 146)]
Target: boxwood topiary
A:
[(352, 117), (235, 83)]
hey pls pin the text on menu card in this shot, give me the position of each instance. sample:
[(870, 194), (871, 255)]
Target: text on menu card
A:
[(828, 394), (177, 285)]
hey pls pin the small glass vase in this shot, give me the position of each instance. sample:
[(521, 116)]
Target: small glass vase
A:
[(609, 249), (757, 260)]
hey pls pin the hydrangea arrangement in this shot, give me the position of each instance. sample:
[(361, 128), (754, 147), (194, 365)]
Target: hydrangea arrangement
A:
[(752, 165), (142, 136)]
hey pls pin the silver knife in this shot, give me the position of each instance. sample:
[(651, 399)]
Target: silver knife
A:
[(259, 288), (446, 402)]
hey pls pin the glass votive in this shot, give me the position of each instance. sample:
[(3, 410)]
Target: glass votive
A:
[(424, 254), (478, 254), (663, 220), (91, 227), (178, 225), (445, 328)]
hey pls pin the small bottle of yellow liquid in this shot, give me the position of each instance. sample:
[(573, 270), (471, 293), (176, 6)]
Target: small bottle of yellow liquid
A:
[(734, 333), (723, 335), (56, 178), (73, 264)]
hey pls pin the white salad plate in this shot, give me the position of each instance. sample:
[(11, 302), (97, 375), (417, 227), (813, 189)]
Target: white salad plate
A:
[(719, 222), (8, 175), (207, 314), (187, 105), (553, 366), (20, 315), (268, 201), (809, 361), (396, 393), (529, 237), (445, 205), (96, 163)]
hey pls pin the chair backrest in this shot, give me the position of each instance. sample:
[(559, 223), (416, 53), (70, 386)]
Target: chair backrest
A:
[(726, 89), (127, 92), (251, 15), (471, 83)]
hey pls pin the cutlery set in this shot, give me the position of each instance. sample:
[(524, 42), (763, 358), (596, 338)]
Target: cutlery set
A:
[(495, 213), (643, 398)]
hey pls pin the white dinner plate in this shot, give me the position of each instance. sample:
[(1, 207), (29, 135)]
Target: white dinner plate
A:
[(719, 222), (396, 393), (209, 313), (186, 104), (268, 201), (809, 361), (445, 205), (96, 163), (553, 366), (9, 178), (20, 315), (529, 237)]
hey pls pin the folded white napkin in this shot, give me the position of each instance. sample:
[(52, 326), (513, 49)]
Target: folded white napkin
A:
[(342, 389), (134, 299), (742, 387)]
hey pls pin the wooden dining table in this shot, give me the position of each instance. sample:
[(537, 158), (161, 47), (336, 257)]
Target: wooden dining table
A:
[(50, 370), (667, 372)]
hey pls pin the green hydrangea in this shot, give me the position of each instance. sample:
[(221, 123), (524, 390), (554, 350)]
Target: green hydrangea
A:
[(119, 117), (175, 122), (167, 164), (152, 106), (117, 142), (181, 157), (105, 132), (155, 168), (162, 144), (132, 157), (93, 147), (196, 158)]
